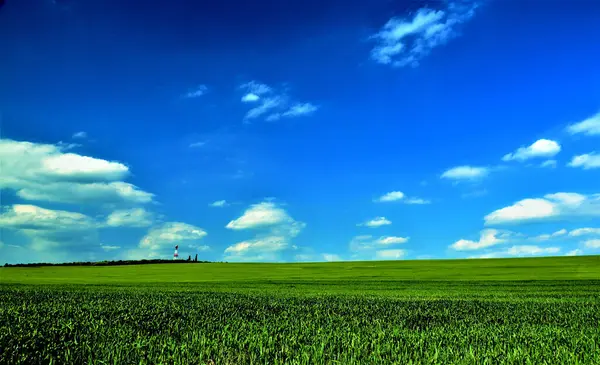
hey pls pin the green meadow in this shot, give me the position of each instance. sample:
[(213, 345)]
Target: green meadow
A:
[(489, 311)]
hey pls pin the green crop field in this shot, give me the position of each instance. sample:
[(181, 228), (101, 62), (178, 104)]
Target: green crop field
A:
[(495, 311)]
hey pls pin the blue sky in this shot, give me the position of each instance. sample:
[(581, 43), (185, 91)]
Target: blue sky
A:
[(299, 131)]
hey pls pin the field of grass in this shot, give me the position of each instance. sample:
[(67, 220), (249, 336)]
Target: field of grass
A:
[(495, 311)]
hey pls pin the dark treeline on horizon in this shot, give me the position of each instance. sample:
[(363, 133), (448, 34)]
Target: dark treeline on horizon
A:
[(109, 263)]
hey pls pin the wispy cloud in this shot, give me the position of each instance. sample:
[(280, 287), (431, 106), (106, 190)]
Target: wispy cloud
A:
[(586, 161), (80, 135), (136, 217), (272, 104), (197, 92), (465, 173), (549, 163), (376, 222), (584, 232), (593, 243), (197, 144), (519, 251), (218, 204), (406, 41), (589, 126), (540, 148)]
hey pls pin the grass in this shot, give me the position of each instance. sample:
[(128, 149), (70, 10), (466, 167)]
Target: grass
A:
[(493, 311)]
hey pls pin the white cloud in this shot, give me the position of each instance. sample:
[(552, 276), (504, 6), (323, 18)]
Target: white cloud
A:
[(272, 104), (548, 236), (136, 217), (199, 91), (25, 216), (161, 240), (487, 238), (465, 173), (391, 240), (376, 222), (584, 231), (300, 109), (550, 206), (589, 126), (49, 229), (250, 98), (331, 257), (110, 248), (368, 242), (519, 251), (549, 163), (586, 161), (79, 135), (527, 250), (45, 172), (391, 196), (540, 148), (394, 254), (260, 215), (575, 252), (267, 246), (219, 204), (595, 243), (404, 42), (400, 196)]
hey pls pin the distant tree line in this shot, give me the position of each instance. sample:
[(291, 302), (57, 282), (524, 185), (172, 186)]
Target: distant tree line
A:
[(111, 263)]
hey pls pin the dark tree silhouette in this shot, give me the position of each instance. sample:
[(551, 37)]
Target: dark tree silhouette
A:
[(196, 258)]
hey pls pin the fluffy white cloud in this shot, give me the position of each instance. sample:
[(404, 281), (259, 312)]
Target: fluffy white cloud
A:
[(49, 229), (584, 231), (376, 222), (197, 92), (595, 243), (260, 215), (45, 172), (586, 161), (465, 173), (391, 196), (540, 148), (589, 126), (550, 206), (219, 204), (25, 216), (395, 254), (79, 135), (161, 240), (272, 104), (136, 217), (404, 42), (279, 229), (487, 238), (250, 98)]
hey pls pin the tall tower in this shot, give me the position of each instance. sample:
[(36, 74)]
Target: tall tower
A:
[(176, 254)]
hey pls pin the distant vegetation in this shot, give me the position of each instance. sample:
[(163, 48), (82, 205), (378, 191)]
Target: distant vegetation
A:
[(110, 263)]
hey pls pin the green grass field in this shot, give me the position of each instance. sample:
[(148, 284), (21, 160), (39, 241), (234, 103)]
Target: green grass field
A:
[(493, 311)]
